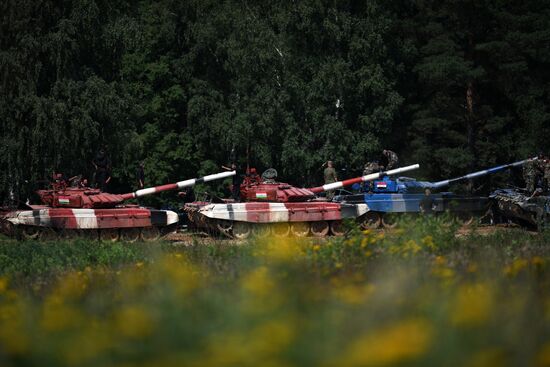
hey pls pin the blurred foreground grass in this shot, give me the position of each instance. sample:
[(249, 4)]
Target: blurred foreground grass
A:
[(415, 296)]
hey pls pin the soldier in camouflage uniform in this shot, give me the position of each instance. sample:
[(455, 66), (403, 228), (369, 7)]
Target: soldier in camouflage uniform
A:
[(370, 167), (546, 174), (329, 175), (531, 170), (392, 159)]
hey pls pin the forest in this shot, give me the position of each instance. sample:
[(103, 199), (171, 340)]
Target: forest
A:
[(452, 85)]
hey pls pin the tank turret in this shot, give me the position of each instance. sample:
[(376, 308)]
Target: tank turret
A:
[(403, 185), (269, 190), (61, 196)]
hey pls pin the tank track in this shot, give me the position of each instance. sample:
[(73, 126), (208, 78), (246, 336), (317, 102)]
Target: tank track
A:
[(377, 220), (132, 234), (243, 230)]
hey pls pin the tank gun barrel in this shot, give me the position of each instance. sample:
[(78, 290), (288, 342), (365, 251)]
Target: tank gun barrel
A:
[(177, 185), (371, 177), (485, 172)]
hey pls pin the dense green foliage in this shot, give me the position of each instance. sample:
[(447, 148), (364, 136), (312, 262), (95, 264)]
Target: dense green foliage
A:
[(453, 85)]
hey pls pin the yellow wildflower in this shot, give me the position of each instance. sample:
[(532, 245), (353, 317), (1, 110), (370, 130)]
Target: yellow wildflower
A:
[(543, 356), (57, 316), (515, 267), (443, 272), (472, 305), (406, 249), (91, 342), (281, 249), (354, 294), (13, 337), (400, 342), (183, 276), (70, 287), (263, 343), (259, 282), (472, 267), (428, 241), (134, 322), (488, 358), (3, 284)]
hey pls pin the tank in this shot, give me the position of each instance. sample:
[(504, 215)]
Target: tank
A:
[(515, 205), (68, 212), (390, 197), (271, 207)]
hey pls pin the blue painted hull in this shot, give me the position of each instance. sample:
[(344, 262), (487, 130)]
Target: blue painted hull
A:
[(410, 203)]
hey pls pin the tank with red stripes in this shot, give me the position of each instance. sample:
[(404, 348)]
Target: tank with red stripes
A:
[(268, 207), (70, 211)]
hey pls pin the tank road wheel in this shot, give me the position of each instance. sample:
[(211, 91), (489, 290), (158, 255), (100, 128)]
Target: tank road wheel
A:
[(30, 232), (337, 228), (389, 220), (224, 227), (8, 228), (109, 234), (466, 218), (47, 234), (280, 229), (370, 220), (299, 229), (149, 234), (68, 234), (319, 229), (129, 234), (261, 230), (241, 230), (89, 234)]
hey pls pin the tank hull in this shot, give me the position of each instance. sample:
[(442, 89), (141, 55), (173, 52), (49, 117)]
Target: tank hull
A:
[(513, 205), (382, 205), (322, 218), (410, 203), (128, 223)]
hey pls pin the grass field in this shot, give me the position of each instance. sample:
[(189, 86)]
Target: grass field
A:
[(415, 296)]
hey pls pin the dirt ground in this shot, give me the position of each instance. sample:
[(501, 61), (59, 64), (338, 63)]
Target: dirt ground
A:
[(187, 238)]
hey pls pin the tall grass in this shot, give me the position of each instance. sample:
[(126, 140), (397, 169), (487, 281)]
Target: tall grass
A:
[(417, 295)]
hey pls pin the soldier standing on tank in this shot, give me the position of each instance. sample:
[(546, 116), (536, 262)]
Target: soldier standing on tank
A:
[(532, 170), (392, 160), (329, 175), (546, 174), (102, 165), (370, 167), (236, 184), (140, 175)]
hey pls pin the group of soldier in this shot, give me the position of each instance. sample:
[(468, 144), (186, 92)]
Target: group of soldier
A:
[(389, 161), (536, 174)]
